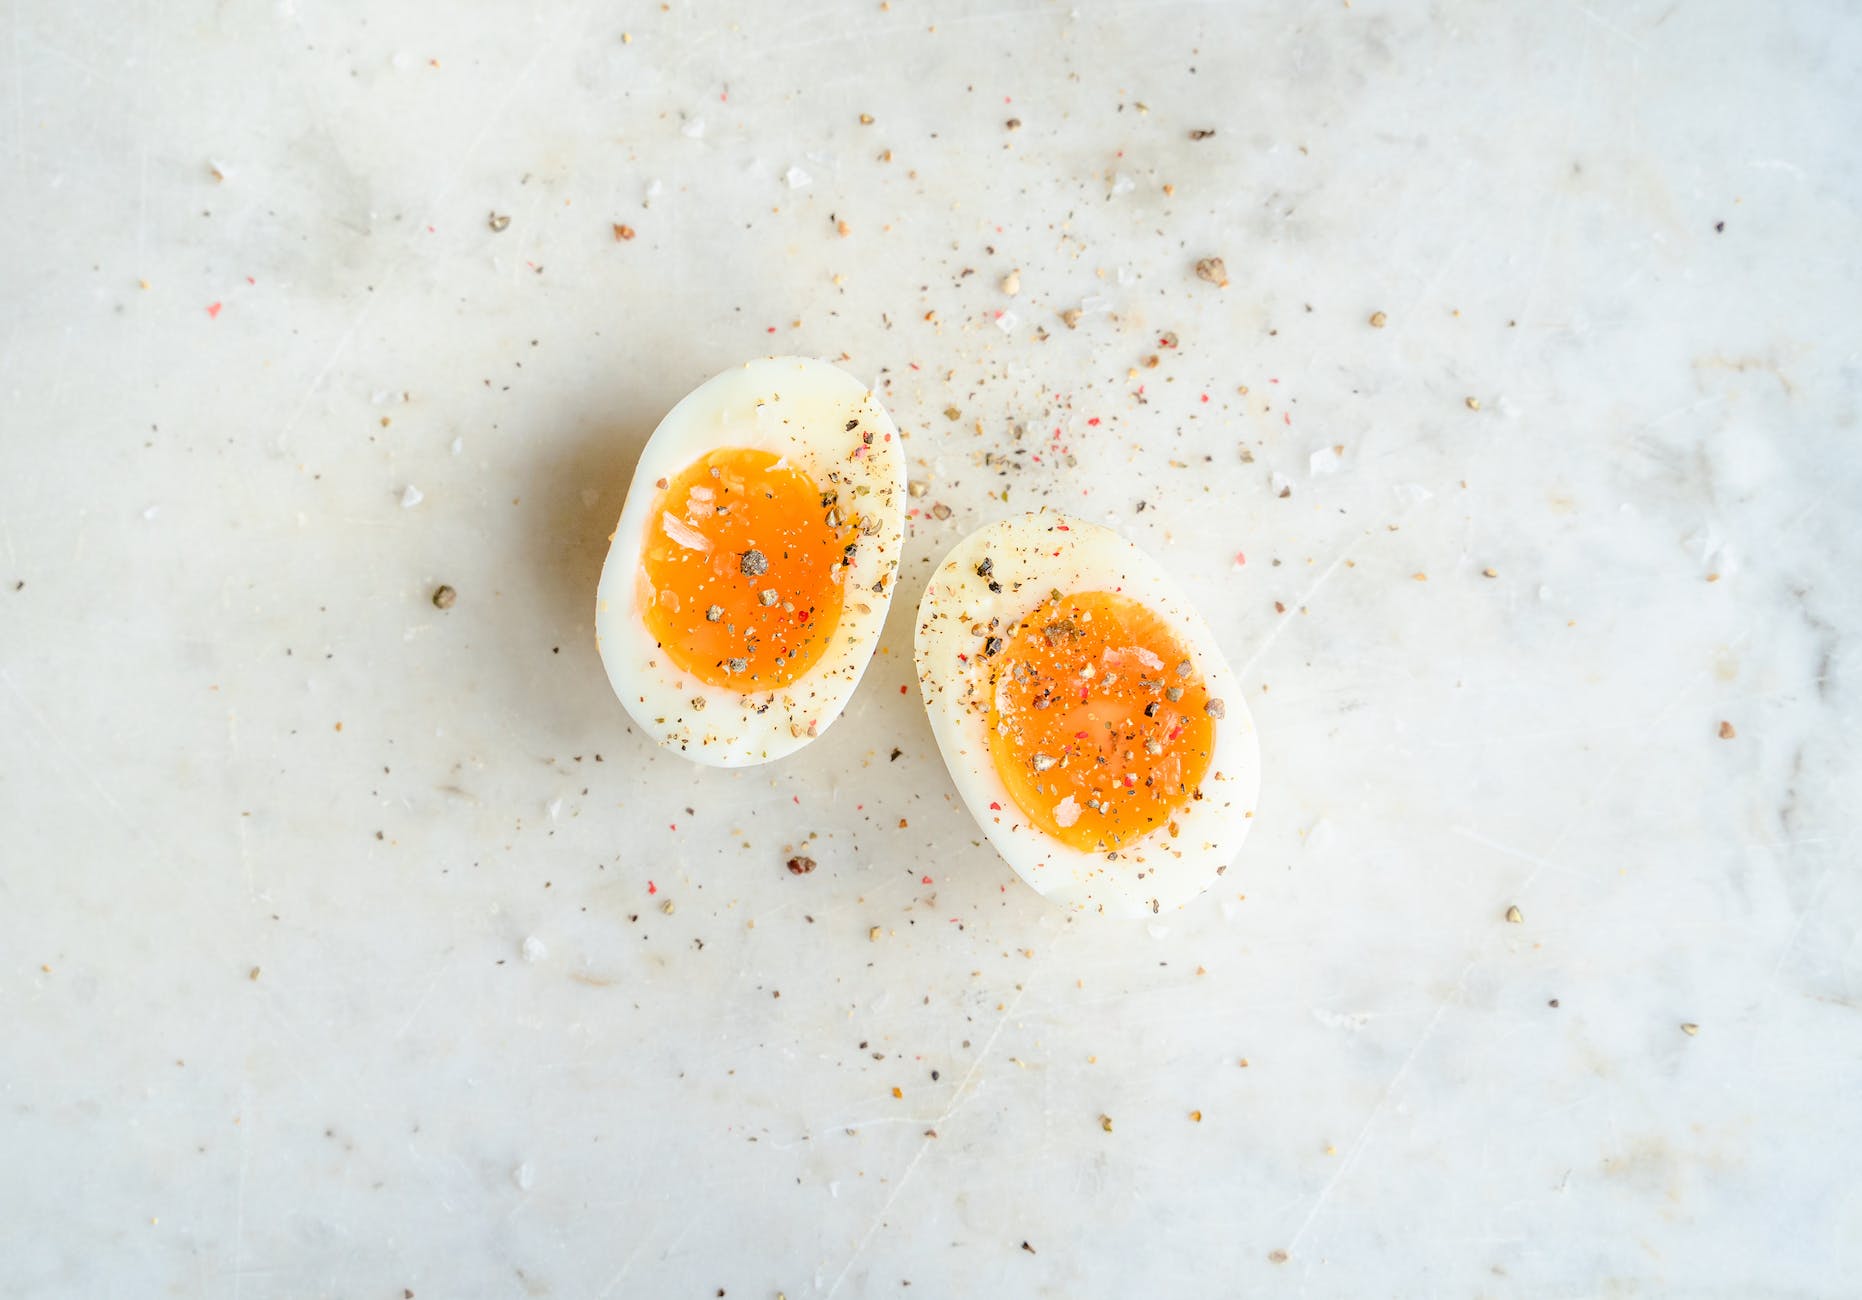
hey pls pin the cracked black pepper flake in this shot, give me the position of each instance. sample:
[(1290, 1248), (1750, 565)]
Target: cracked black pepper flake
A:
[(992, 646), (753, 564), (444, 596), (714, 613), (1212, 269), (736, 665), (1202, 132), (498, 223), (800, 866), (1214, 708)]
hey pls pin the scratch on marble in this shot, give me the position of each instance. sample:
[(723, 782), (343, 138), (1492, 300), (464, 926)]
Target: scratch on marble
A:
[(1282, 625), (1797, 928), (239, 1200), (1541, 862), (958, 1097), (59, 51), (1609, 26), (1358, 1143), (49, 739), (628, 1263), (433, 983), (1544, 864)]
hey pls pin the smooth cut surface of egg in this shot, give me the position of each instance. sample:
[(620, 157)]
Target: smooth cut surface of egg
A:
[(749, 576), (1087, 715)]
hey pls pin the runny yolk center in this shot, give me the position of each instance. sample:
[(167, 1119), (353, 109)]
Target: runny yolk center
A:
[(1097, 721), (740, 578)]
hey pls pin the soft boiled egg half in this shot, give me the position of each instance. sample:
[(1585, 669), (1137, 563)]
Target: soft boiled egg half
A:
[(749, 576), (1087, 715)]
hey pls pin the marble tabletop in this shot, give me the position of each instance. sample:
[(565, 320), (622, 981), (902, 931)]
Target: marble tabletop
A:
[(353, 947)]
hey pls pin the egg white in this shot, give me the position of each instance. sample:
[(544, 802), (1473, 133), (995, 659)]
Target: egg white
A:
[(1031, 557), (800, 409)]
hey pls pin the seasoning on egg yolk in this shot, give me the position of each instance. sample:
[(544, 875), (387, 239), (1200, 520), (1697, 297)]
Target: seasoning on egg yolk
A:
[(740, 578), (1083, 727)]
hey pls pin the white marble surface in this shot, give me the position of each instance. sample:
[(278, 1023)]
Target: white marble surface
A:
[(273, 1023)]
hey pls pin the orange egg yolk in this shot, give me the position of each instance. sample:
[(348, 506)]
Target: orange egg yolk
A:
[(1098, 724), (740, 578)]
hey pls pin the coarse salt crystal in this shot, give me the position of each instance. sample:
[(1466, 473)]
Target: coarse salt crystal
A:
[(411, 497), (797, 178), (683, 533), (1067, 812), (694, 129), (1007, 322), (534, 949)]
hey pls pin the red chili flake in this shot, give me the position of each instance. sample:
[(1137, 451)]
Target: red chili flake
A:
[(672, 826), (652, 888), (1205, 397), (1062, 528), (1241, 557), (250, 280), (994, 806), (1094, 421), (213, 310), (1287, 416), (432, 231), (901, 690), (1175, 732), (924, 880), (963, 656), (801, 616), (912, 364), (772, 329)]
